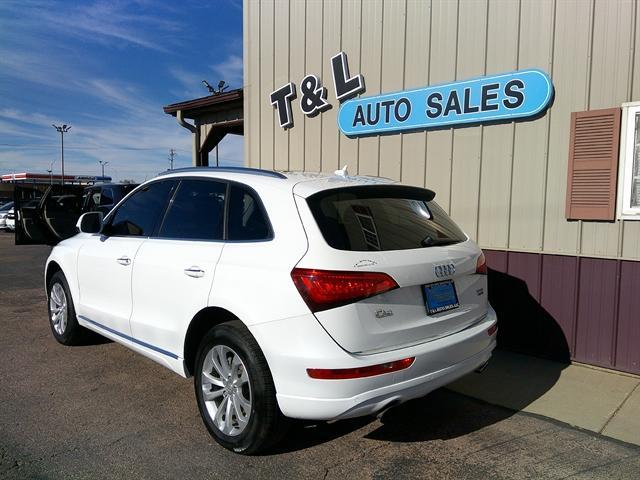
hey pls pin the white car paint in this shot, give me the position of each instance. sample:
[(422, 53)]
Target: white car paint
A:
[(10, 223), (148, 304)]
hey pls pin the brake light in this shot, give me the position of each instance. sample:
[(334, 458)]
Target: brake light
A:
[(481, 265), (324, 289), (359, 372)]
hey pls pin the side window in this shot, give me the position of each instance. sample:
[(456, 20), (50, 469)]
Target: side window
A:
[(247, 220), (106, 198), (196, 211), (139, 215)]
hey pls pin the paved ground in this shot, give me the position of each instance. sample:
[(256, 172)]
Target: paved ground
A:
[(100, 411)]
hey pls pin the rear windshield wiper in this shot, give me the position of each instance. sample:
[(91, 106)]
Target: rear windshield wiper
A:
[(429, 241)]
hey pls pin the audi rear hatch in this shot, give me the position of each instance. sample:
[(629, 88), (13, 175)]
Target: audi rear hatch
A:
[(386, 267)]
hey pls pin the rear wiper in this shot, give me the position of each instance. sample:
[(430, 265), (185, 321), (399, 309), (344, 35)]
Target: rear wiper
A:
[(429, 241)]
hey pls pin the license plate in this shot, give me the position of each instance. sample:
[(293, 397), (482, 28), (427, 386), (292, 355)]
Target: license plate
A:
[(440, 297)]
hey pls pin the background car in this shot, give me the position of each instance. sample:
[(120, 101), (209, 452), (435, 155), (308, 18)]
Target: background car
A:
[(10, 221), (4, 212), (50, 216)]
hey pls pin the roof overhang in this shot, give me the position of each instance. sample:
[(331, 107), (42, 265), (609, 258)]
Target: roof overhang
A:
[(198, 107)]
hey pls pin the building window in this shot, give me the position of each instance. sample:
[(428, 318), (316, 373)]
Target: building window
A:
[(629, 180)]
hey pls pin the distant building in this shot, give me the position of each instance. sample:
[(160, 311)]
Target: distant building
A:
[(44, 178)]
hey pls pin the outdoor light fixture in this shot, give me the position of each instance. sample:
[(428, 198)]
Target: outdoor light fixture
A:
[(209, 87), (102, 164), (222, 86), (62, 130)]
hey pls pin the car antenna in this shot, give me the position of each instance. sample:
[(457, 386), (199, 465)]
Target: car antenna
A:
[(342, 173)]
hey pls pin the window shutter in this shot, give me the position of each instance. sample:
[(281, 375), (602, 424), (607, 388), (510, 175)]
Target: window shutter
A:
[(593, 164)]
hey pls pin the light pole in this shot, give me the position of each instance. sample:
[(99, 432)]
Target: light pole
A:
[(62, 130), (50, 172), (102, 164)]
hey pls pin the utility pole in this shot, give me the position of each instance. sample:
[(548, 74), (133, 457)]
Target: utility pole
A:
[(62, 130), (102, 164), (217, 165), (172, 154)]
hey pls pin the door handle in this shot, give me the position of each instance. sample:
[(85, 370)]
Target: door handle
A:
[(195, 272), (124, 261)]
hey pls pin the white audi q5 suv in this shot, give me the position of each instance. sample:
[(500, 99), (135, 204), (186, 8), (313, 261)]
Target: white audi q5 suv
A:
[(285, 295)]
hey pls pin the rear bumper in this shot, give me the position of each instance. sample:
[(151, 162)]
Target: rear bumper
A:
[(437, 363)]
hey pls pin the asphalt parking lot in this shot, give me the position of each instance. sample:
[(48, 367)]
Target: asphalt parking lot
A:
[(101, 411)]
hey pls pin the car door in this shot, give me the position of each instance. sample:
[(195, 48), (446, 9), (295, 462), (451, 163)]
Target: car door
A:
[(173, 272), (105, 261), (46, 214)]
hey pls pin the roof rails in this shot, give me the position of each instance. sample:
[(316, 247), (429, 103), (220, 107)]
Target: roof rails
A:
[(250, 171)]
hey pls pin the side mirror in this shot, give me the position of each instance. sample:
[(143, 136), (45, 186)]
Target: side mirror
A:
[(90, 222)]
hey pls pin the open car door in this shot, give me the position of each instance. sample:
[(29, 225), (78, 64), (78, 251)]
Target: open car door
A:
[(46, 214)]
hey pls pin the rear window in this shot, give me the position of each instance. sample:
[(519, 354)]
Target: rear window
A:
[(382, 217)]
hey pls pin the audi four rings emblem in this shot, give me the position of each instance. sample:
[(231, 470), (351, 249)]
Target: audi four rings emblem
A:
[(444, 270)]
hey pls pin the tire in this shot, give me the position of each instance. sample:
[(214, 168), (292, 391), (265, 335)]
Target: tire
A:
[(62, 314), (254, 423)]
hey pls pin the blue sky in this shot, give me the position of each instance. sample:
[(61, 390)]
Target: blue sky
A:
[(107, 68)]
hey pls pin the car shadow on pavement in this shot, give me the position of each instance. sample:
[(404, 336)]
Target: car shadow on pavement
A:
[(442, 415), (92, 338)]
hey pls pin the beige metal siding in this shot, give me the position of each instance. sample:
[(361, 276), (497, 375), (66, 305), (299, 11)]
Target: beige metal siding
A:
[(505, 184)]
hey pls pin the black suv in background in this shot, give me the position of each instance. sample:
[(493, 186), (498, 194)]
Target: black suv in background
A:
[(50, 215)]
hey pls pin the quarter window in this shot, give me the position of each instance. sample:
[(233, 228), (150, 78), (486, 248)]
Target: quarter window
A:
[(196, 212), (247, 220), (139, 215)]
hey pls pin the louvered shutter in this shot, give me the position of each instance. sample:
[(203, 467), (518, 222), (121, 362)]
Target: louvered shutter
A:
[(593, 164)]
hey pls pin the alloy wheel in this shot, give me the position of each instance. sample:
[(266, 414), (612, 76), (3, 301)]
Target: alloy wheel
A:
[(58, 308), (226, 390)]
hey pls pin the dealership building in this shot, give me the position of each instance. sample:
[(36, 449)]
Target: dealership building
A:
[(522, 115)]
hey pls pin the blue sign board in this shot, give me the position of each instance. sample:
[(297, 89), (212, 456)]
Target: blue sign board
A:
[(504, 97)]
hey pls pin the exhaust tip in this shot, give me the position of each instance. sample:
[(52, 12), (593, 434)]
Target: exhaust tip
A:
[(387, 407), (481, 368)]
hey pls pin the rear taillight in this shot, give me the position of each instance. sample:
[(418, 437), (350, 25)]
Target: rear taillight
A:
[(359, 372), (481, 265), (324, 289)]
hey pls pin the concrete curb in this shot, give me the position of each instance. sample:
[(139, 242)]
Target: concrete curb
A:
[(598, 400)]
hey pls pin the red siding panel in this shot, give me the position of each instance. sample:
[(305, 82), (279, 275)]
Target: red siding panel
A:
[(526, 266), (496, 260), (628, 339), (558, 296), (596, 311)]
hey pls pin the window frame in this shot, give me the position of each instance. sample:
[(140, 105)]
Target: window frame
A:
[(106, 223), (225, 233), (156, 231), (625, 166)]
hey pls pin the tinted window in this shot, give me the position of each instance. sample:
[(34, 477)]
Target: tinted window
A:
[(139, 215), (382, 218), (106, 198), (196, 211), (247, 220)]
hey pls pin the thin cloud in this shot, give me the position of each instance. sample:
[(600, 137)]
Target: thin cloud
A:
[(230, 70)]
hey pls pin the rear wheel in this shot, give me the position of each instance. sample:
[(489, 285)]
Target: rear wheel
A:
[(62, 314), (235, 391)]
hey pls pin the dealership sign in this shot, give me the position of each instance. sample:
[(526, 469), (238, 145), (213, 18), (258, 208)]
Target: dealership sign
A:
[(504, 97)]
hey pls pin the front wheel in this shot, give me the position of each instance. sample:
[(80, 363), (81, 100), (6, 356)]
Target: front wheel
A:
[(235, 391), (62, 313)]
